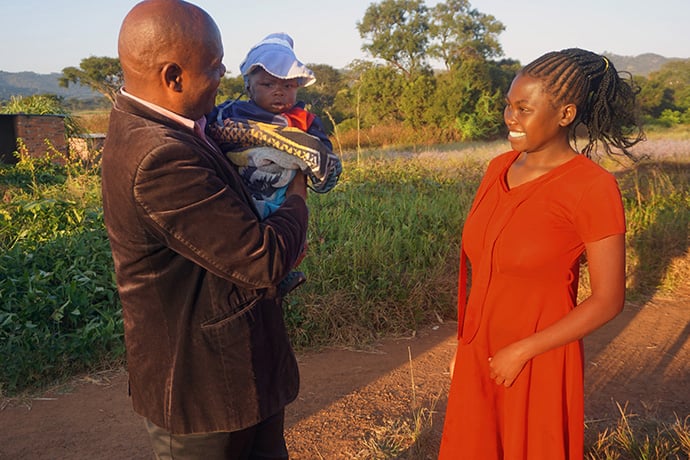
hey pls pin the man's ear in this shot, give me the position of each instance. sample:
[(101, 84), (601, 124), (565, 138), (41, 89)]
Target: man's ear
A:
[(568, 114), (172, 77)]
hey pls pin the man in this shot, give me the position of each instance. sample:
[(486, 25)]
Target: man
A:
[(210, 364)]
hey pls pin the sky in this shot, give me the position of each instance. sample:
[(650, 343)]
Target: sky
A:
[(44, 36)]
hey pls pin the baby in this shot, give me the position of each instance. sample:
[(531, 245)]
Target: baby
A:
[(271, 136)]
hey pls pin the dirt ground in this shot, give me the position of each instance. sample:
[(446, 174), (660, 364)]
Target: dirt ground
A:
[(351, 399)]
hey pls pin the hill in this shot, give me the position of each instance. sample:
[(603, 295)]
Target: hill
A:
[(643, 64), (31, 83)]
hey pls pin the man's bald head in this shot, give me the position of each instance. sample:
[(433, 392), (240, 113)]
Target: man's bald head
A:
[(157, 34)]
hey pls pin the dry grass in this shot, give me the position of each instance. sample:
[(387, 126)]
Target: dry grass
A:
[(637, 438), (94, 122), (657, 194), (403, 438)]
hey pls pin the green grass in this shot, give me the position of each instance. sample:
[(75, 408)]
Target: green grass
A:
[(59, 311), (382, 257), (657, 201), (382, 260), (383, 249)]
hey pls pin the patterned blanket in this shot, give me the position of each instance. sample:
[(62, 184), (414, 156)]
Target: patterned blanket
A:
[(238, 139)]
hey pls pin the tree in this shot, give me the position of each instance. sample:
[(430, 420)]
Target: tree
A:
[(320, 96), (370, 94), (467, 103), (380, 89), (102, 74), (415, 97), (665, 91), (675, 76), (347, 101), (654, 97), (458, 32), (398, 33), (328, 81), (230, 88)]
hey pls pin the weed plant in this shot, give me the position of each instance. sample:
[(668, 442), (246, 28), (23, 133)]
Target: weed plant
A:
[(657, 201), (383, 250), (638, 438), (628, 438), (382, 257), (42, 105), (59, 311)]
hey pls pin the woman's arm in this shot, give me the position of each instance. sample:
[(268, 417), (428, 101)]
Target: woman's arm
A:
[(606, 263)]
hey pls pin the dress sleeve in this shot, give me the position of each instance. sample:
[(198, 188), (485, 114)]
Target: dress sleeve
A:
[(600, 212)]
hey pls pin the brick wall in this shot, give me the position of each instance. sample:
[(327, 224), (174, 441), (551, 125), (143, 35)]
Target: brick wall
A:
[(35, 129)]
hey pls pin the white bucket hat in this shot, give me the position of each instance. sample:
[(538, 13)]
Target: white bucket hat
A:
[(276, 56)]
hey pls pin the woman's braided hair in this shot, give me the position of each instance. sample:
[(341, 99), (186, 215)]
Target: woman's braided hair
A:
[(605, 101)]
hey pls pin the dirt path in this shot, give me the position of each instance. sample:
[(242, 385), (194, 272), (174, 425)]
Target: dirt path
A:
[(351, 400)]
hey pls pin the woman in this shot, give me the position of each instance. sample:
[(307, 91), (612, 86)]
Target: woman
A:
[(517, 377)]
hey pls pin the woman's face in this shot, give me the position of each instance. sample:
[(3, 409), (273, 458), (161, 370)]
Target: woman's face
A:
[(533, 121), (270, 93)]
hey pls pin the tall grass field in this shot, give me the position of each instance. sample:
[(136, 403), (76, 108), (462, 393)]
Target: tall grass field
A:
[(381, 261)]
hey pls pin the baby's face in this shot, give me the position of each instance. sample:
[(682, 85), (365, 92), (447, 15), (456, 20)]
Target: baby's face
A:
[(270, 93)]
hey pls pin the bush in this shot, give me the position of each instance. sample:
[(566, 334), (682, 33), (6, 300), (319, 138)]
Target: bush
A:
[(59, 311), (382, 257)]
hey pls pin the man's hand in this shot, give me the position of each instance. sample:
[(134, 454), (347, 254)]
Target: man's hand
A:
[(298, 186)]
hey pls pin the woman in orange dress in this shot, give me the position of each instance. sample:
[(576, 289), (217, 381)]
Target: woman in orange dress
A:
[(517, 377)]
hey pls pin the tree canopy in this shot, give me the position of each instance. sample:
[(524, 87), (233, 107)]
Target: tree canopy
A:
[(397, 31), (459, 32), (102, 74), (462, 100), (405, 33), (665, 94)]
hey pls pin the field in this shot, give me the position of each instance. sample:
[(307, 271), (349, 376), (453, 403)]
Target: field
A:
[(379, 303)]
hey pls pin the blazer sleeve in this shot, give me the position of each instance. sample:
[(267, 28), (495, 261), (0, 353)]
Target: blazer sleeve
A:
[(194, 203)]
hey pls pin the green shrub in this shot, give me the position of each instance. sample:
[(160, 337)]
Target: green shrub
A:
[(42, 104), (383, 251), (382, 257), (59, 311)]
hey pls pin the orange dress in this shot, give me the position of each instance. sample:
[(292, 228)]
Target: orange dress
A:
[(524, 246)]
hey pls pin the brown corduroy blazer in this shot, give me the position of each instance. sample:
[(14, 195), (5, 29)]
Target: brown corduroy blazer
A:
[(207, 348)]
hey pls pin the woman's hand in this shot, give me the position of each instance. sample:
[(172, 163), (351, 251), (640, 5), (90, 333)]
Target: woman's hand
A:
[(507, 363), (451, 365), (606, 263)]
